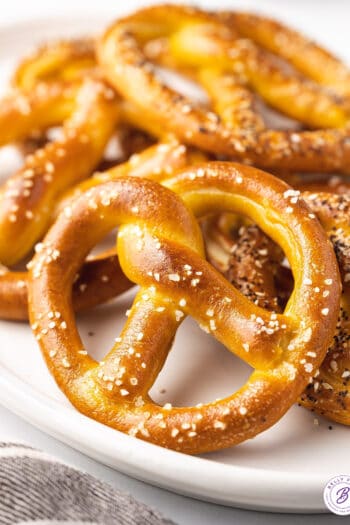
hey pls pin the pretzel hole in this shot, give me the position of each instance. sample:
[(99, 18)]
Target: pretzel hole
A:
[(198, 368), (250, 260)]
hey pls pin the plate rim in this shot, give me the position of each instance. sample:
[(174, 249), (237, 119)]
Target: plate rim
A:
[(274, 491)]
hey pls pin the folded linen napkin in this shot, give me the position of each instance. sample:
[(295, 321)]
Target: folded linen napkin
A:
[(36, 488)]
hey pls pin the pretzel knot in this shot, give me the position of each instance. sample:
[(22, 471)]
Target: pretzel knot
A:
[(160, 248), (230, 69)]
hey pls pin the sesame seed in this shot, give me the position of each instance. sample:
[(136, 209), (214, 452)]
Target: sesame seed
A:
[(243, 411), (174, 277), (325, 311), (167, 406), (174, 432), (328, 281)]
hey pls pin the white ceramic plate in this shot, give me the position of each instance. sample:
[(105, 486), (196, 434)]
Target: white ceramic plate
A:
[(284, 469)]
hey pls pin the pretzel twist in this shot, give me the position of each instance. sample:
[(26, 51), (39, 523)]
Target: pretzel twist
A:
[(160, 248), (328, 393), (200, 40), (100, 279)]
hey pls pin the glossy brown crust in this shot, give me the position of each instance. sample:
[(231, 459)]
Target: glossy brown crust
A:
[(201, 40), (247, 258), (27, 198), (101, 279), (328, 393), (307, 56), (63, 60), (98, 281), (160, 248)]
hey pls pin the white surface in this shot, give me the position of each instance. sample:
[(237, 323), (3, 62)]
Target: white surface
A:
[(291, 446)]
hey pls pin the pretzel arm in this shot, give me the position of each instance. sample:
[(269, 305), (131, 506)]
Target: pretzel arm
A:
[(311, 59), (125, 65)]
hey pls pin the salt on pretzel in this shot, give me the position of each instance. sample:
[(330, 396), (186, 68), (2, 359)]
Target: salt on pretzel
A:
[(100, 279), (201, 41), (160, 248), (63, 60), (27, 198), (305, 55), (328, 393), (65, 64)]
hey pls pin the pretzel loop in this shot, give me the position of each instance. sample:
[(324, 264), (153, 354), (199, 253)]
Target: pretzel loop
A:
[(160, 248), (201, 40)]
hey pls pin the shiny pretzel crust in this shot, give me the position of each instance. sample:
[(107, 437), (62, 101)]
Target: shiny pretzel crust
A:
[(200, 40), (160, 248)]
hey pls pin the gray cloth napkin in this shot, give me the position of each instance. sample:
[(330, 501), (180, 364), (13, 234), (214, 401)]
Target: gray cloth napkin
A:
[(36, 488)]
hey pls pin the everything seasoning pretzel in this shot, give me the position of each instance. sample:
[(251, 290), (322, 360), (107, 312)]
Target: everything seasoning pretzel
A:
[(160, 248), (202, 41), (252, 262)]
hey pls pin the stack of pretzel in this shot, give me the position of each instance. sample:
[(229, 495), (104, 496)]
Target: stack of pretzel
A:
[(261, 261)]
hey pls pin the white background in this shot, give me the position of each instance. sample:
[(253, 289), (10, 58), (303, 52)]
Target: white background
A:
[(332, 31)]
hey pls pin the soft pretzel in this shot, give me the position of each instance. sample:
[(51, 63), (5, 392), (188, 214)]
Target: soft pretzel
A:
[(308, 57), (63, 60), (27, 198), (201, 41), (160, 248), (65, 64), (328, 393), (100, 279)]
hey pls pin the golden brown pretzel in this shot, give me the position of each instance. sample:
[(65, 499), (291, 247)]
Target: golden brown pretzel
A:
[(160, 248), (65, 64), (101, 279), (27, 198), (328, 393), (307, 56), (201, 41), (63, 60)]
